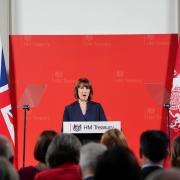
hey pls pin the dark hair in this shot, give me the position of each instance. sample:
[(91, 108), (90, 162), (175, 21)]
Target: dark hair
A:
[(42, 144), (113, 137), (154, 145), (117, 163), (175, 154), (63, 148), (84, 82)]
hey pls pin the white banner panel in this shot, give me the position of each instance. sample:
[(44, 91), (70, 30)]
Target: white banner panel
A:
[(90, 126)]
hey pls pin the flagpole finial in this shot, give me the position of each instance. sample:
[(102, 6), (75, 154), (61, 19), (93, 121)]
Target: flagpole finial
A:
[(167, 106), (26, 107)]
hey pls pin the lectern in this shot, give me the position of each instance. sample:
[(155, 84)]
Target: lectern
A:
[(90, 130)]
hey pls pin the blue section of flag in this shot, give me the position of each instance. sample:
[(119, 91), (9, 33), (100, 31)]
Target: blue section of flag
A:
[(6, 119), (3, 78)]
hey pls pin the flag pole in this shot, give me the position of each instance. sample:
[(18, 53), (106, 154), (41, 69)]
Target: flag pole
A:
[(167, 106), (25, 108)]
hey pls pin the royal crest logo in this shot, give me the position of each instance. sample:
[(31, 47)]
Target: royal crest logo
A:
[(175, 103), (77, 127)]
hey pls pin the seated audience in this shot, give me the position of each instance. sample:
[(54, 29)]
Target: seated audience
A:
[(170, 174), (153, 151), (45, 138), (7, 171), (117, 163), (6, 149), (89, 157), (113, 137), (62, 158), (175, 153)]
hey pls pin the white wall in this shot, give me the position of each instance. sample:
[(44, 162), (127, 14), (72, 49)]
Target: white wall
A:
[(94, 16)]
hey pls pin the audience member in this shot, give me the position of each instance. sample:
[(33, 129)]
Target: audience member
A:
[(63, 158), (170, 174), (7, 171), (113, 137), (175, 153), (45, 138), (153, 151), (6, 149), (117, 163), (89, 157)]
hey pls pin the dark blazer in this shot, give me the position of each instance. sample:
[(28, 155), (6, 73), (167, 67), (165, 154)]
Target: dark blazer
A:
[(89, 178), (94, 112), (28, 173), (148, 170)]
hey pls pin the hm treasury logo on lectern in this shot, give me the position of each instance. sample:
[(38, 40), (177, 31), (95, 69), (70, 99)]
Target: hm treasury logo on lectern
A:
[(77, 127)]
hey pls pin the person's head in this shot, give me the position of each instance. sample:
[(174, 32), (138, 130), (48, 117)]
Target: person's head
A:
[(170, 174), (6, 149), (117, 163), (83, 90), (7, 171), (89, 157), (42, 144), (175, 153), (64, 148), (113, 137), (154, 145)]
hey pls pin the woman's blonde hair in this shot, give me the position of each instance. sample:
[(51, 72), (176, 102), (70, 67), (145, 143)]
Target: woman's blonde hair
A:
[(113, 137)]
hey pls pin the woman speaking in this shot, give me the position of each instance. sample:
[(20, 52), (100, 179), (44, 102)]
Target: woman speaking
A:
[(83, 109)]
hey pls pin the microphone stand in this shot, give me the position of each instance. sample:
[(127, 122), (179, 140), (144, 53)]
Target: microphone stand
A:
[(25, 108), (167, 106)]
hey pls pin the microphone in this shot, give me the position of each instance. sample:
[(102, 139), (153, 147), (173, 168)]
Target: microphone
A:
[(167, 105)]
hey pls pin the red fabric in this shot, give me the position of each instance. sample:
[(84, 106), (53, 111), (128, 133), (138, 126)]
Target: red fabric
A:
[(66, 172)]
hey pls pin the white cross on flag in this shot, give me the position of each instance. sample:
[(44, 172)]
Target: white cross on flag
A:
[(6, 118)]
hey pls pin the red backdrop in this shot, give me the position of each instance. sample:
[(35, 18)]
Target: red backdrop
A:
[(118, 66)]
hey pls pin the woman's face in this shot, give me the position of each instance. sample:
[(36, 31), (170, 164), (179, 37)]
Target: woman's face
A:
[(83, 93)]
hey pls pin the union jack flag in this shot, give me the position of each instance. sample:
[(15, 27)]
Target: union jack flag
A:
[(6, 118)]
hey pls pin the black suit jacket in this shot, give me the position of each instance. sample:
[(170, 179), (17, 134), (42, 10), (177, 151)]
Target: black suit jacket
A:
[(148, 170), (94, 112), (89, 178)]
